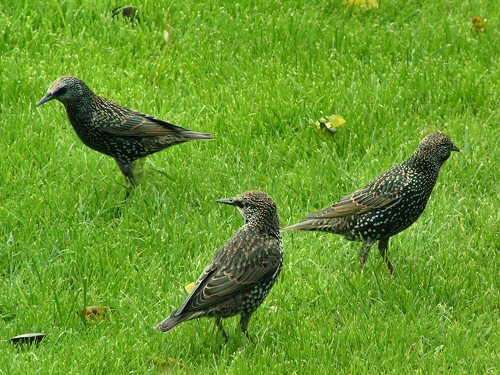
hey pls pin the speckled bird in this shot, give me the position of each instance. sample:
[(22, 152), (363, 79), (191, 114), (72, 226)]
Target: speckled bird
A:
[(387, 205), (243, 270), (107, 127)]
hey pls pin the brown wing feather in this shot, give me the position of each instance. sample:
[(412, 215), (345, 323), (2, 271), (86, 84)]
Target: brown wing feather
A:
[(140, 125), (219, 286), (354, 204), (220, 281), (381, 193)]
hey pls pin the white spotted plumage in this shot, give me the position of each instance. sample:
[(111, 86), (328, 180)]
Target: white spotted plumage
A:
[(388, 204)]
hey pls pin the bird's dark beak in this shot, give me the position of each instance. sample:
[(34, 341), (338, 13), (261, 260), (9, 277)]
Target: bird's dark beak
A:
[(45, 99), (229, 201), (455, 148)]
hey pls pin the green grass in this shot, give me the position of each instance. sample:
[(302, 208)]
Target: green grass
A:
[(252, 74)]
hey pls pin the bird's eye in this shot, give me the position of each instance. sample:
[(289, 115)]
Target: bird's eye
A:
[(61, 91), (239, 204), (445, 150)]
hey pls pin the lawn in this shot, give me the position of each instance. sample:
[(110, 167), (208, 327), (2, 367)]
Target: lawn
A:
[(256, 75)]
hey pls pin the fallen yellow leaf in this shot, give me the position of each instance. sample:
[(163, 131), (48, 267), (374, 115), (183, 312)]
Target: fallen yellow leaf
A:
[(189, 287), (329, 125), (167, 34), (363, 4), (95, 313), (478, 24), (130, 13), (335, 122), (164, 365)]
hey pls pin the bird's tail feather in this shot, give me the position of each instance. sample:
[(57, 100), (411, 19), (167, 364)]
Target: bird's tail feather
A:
[(175, 319), (191, 135), (305, 225)]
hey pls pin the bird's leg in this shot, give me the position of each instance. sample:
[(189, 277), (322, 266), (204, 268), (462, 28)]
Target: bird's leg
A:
[(218, 324), (365, 250), (138, 166), (128, 171), (383, 246), (245, 318)]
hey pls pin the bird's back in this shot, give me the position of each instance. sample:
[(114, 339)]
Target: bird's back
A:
[(383, 208), (240, 276), (409, 189), (123, 133)]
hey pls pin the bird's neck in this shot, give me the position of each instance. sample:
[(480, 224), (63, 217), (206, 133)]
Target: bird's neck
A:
[(268, 226), (420, 162), (84, 102), (81, 109), (77, 116)]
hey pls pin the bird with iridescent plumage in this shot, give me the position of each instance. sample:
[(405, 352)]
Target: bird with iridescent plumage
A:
[(122, 133), (243, 271), (387, 205)]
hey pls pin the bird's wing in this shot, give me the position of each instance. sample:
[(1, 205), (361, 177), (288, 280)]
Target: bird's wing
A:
[(377, 195), (136, 124), (231, 273)]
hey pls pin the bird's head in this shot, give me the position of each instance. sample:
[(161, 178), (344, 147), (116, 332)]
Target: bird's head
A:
[(437, 147), (65, 89), (256, 207)]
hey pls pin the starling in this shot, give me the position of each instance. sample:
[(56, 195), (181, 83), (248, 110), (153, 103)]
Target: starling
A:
[(387, 205), (243, 270), (107, 127)]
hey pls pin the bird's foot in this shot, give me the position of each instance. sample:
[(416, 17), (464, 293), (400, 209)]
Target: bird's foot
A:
[(250, 338), (218, 324), (389, 265), (362, 261)]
